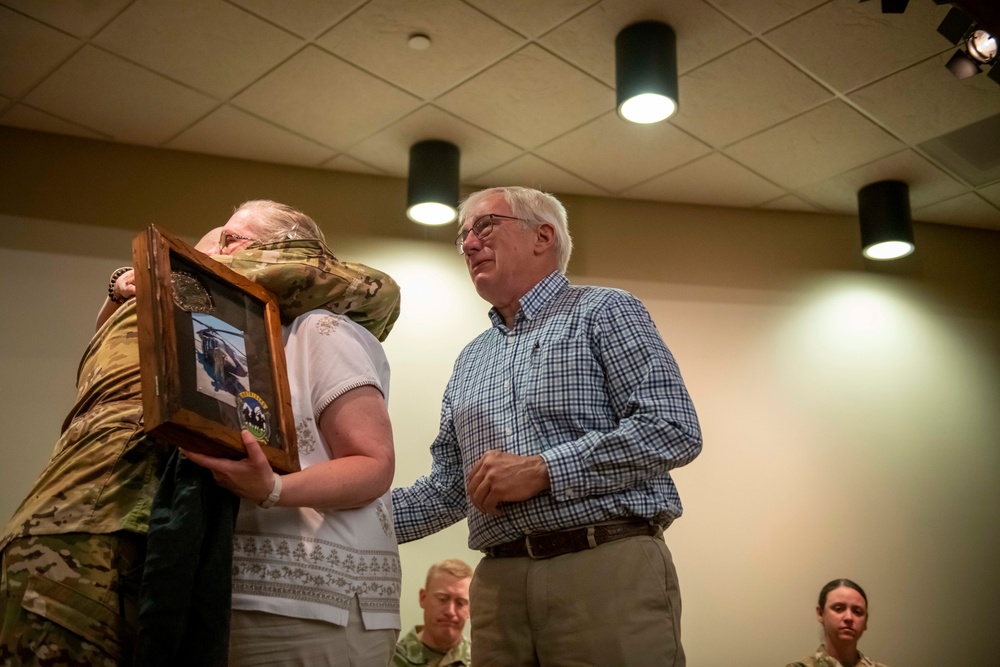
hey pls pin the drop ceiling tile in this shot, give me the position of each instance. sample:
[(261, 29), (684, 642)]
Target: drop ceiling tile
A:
[(991, 193), (530, 171), (389, 149), (814, 146), (235, 133), (618, 154), (86, 97), (968, 210), (760, 15), (529, 98), (463, 41), (347, 163), (109, 95), (28, 52), (530, 17), (969, 152), (23, 116), (926, 100), (789, 203), (305, 18), (928, 184), (849, 44), (588, 40), (746, 90), (212, 46), (713, 179), (81, 19), (308, 94)]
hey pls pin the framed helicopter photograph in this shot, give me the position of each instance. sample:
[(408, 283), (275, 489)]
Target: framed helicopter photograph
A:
[(210, 354)]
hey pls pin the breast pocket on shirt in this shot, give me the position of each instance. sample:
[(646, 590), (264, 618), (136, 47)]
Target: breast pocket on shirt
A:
[(566, 392)]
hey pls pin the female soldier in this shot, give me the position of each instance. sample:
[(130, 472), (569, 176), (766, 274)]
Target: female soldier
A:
[(843, 613)]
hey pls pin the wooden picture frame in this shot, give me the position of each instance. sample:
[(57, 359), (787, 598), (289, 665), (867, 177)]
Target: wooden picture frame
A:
[(211, 355)]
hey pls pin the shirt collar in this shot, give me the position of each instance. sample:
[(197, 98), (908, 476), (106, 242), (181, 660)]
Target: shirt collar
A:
[(826, 659), (535, 300)]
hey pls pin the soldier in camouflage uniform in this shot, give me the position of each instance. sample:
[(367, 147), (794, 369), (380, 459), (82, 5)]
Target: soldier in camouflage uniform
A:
[(823, 659), (439, 642), (843, 613), (73, 551)]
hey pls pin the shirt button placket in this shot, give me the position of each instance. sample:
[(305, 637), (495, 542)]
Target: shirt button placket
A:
[(508, 399)]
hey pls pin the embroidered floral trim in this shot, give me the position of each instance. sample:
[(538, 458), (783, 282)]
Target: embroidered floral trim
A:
[(384, 520), (327, 324), (314, 570), (306, 441)]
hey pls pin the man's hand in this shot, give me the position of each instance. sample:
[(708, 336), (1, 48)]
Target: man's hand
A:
[(249, 478), (501, 477)]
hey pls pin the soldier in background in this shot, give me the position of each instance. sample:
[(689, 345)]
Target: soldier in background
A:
[(843, 613), (439, 642)]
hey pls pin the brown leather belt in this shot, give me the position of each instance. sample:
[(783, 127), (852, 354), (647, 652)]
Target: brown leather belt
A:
[(549, 545)]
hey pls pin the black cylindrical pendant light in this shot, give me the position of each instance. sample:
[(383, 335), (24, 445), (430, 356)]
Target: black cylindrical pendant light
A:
[(646, 72), (886, 228), (432, 187)]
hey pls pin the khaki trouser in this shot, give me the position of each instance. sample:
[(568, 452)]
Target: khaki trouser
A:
[(259, 639), (615, 605)]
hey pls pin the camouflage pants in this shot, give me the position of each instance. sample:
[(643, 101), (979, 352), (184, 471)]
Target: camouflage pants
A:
[(70, 600)]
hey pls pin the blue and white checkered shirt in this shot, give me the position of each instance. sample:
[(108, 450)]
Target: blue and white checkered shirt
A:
[(584, 380)]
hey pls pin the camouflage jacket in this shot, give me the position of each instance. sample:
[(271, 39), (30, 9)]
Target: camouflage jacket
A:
[(410, 652), (305, 275), (822, 659), (104, 472)]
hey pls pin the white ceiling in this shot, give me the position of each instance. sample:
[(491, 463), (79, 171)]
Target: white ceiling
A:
[(784, 104)]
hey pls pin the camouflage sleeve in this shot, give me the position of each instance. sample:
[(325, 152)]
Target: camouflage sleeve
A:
[(305, 275)]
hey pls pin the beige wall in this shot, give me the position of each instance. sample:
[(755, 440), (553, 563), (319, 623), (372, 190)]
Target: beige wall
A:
[(849, 409)]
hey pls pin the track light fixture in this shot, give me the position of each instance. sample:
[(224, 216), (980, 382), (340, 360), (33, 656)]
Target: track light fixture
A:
[(978, 46), (981, 46), (432, 186), (646, 72), (884, 213)]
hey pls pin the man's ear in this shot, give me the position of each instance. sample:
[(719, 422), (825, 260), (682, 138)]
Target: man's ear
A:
[(545, 238), (423, 598)]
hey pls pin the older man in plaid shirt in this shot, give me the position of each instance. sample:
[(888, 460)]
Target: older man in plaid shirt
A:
[(559, 427)]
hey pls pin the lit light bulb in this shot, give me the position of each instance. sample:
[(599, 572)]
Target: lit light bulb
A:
[(648, 108), (982, 46), (888, 250), (431, 213)]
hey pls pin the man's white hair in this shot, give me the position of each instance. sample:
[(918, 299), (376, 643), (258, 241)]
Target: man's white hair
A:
[(535, 208)]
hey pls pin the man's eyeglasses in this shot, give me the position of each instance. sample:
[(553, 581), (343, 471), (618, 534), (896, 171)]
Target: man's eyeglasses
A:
[(226, 238), (482, 227)]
